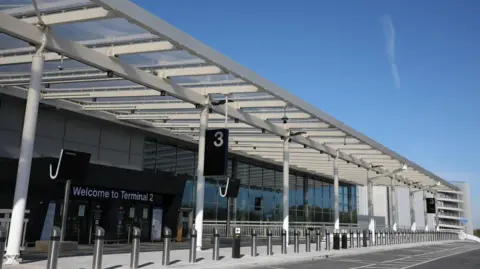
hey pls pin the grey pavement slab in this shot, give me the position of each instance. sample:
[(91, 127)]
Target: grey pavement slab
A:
[(179, 258)]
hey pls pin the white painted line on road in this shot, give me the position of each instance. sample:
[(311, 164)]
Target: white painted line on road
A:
[(275, 267), (452, 254), (354, 261), (363, 266), (373, 265)]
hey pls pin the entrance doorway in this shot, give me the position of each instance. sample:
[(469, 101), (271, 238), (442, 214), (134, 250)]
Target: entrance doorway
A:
[(117, 218)]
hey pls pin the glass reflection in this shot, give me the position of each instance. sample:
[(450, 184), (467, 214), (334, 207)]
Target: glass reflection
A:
[(260, 196)]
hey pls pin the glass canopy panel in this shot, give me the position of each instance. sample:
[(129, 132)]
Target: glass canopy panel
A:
[(50, 67), (106, 29), (166, 58), (25, 7), (96, 85), (7, 42), (206, 79)]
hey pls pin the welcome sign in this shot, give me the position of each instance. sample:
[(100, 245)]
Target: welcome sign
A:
[(111, 194)]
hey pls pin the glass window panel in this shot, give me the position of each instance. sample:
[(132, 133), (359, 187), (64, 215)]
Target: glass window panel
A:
[(166, 158), (149, 153), (211, 191), (187, 199), (292, 215), (185, 162), (299, 193)]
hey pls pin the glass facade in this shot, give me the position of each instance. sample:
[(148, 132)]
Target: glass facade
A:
[(261, 187)]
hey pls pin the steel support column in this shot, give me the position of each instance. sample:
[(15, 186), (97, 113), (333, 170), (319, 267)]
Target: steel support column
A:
[(437, 223), (393, 203), (411, 193), (25, 160), (425, 212), (336, 213), (371, 225), (200, 177), (286, 174)]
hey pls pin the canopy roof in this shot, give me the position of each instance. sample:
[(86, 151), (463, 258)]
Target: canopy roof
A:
[(113, 59)]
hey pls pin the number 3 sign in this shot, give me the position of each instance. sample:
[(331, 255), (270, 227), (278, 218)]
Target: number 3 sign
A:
[(216, 152)]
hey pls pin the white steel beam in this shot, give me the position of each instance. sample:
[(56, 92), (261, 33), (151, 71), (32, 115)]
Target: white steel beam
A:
[(172, 105), (135, 106), (154, 46), (195, 116), (137, 91), (73, 16)]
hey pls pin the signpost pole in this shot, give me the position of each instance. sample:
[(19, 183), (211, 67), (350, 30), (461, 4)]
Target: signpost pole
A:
[(66, 200)]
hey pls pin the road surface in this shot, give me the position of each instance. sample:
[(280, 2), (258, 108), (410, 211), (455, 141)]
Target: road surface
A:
[(462, 255)]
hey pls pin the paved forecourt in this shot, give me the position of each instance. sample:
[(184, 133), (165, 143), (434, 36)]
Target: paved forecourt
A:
[(179, 258)]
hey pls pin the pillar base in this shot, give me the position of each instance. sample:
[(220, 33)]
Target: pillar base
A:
[(12, 259)]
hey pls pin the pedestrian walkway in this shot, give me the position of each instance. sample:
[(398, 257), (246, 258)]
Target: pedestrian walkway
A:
[(179, 258)]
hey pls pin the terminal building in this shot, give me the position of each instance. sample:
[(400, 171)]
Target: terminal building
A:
[(109, 79)]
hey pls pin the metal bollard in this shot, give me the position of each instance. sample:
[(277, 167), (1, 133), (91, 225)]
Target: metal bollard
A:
[(358, 238), (192, 255), (166, 246), (3, 239), (269, 243), (216, 245), (135, 248), (327, 240), (308, 243), (98, 248), (351, 238), (52, 250), (318, 240), (364, 237), (253, 251), (370, 238), (284, 241), (295, 241)]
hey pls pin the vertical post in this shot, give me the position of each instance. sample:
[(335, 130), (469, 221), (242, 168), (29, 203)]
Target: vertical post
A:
[(200, 176), (425, 206), (412, 208), (437, 224), (286, 174), (371, 225), (25, 159), (192, 255), (228, 217), (305, 199), (393, 199), (66, 201), (336, 213), (53, 250), (98, 248), (135, 255)]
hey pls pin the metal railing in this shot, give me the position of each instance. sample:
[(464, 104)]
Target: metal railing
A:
[(5, 223)]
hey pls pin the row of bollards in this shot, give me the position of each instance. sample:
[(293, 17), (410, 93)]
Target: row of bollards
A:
[(3, 240), (340, 240)]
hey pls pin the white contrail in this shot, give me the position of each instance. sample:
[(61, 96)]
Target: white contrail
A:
[(389, 32)]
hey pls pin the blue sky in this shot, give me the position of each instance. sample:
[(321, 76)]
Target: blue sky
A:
[(335, 55)]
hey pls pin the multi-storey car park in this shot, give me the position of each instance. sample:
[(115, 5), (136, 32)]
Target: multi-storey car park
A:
[(108, 78)]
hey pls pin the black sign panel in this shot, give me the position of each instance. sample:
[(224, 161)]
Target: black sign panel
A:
[(233, 188), (216, 152), (430, 205), (73, 165), (85, 192)]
